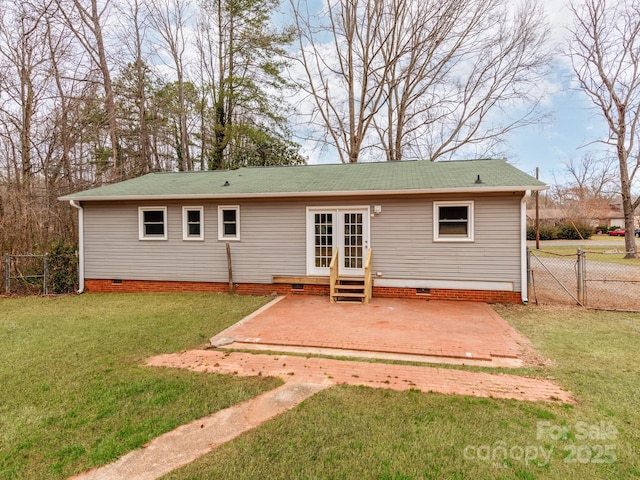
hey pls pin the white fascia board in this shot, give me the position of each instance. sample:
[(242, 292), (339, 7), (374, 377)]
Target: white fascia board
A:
[(347, 193)]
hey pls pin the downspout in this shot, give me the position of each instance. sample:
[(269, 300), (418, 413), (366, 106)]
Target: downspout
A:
[(80, 245), (523, 247)]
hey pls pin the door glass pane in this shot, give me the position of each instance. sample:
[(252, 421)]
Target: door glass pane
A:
[(323, 226), (353, 240)]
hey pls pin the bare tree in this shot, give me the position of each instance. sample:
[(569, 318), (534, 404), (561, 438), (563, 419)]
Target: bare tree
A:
[(589, 188), (592, 176), (86, 18), (341, 76), (24, 122), (133, 35), (605, 55), (169, 19), (430, 77)]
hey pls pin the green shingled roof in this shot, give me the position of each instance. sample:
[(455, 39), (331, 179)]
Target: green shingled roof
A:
[(334, 179)]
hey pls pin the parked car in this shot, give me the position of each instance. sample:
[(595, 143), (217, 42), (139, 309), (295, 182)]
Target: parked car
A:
[(618, 232), (637, 232)]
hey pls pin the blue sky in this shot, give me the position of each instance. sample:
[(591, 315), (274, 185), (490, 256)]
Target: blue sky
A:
[(574, 126), (570, 133)]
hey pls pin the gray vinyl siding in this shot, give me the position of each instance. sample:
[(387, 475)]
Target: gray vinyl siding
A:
[(273, 241), (402, 239)]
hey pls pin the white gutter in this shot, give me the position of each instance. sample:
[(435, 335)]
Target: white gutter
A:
[(347, 193), (523, 248), (80, 245)]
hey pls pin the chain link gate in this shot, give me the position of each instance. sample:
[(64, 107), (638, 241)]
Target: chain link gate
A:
[(557, 279)]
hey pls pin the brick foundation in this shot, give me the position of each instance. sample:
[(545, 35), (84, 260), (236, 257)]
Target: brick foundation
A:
[(488, 296), (137, 286)]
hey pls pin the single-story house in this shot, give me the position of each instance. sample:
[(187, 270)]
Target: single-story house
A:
[(443, 230), (614, 217)]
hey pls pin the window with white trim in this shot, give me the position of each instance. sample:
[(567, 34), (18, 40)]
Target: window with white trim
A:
[(152, 223), (193, 223), (453, 221), (228, 222)]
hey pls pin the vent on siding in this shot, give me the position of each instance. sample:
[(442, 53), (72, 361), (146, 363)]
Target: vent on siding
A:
[(116, 282), (423, 291), (297, 286)]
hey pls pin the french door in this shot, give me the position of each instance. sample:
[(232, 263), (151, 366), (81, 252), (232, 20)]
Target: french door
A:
[(344, 228)]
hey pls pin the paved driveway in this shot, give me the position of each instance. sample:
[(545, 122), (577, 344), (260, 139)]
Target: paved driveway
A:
[(414, 330)]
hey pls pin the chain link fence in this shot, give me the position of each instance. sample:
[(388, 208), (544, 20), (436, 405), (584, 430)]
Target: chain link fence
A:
[(55, 272), (599, 280), (613, 283), (26, 274)]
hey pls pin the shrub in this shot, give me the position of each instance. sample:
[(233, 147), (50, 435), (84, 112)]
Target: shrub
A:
[(547, 232), (575, 231), (63, 267), (531, 233), (602, 229)]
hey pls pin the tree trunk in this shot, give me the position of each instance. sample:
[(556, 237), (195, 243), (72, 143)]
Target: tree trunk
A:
[(109, 102)]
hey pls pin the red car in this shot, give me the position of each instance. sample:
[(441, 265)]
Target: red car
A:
[(618, 232)]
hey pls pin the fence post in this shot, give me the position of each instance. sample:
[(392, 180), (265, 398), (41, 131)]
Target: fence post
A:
[(7, 275), (45, 275), (582, 279)]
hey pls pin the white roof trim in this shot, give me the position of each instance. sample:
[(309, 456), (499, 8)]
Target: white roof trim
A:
[(347, 193)]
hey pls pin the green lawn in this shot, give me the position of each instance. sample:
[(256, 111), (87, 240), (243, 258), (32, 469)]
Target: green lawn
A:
[(74, 396), (73, 392)]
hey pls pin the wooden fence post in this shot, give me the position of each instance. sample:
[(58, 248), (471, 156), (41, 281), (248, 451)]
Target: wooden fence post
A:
[(230, 269)]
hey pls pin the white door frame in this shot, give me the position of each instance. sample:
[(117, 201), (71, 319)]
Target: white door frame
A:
[(338, 237)]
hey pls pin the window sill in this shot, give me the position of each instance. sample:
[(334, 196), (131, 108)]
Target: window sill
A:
[(453, 240)]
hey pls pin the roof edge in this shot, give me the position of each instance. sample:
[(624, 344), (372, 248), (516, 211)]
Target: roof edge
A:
[(346, 193)]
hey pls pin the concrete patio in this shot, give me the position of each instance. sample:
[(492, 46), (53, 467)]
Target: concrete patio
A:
[(466, 333)]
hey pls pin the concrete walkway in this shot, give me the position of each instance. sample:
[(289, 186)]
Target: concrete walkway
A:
[(326, 371), (193, 440)]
